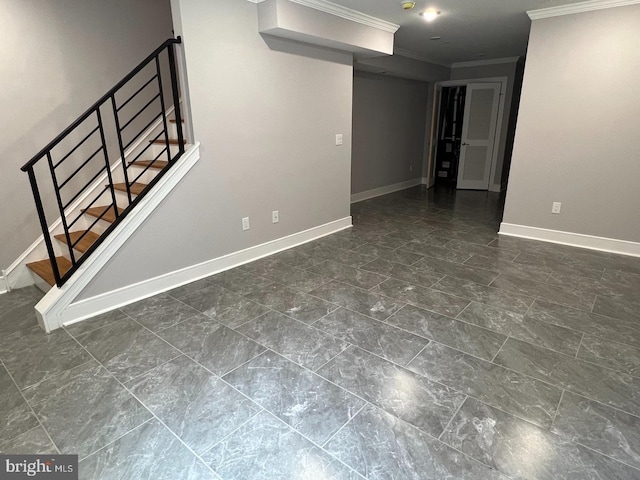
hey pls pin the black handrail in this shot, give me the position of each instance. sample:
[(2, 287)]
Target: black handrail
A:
[(61, 180)]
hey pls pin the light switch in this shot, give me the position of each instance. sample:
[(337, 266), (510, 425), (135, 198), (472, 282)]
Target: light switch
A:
[(338, 139)]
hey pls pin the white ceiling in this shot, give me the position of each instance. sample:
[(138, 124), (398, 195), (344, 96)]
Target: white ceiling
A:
[(468, 28)]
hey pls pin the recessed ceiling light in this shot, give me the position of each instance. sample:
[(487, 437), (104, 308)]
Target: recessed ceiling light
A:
[(434, 38), (430, 15), (407, 5)]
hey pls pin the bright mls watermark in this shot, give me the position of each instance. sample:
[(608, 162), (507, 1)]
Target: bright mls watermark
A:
[(44, 467)]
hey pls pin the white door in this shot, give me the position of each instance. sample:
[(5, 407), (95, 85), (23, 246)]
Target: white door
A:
[(478, 135)]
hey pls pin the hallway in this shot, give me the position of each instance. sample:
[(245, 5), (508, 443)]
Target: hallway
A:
[(415, 345)]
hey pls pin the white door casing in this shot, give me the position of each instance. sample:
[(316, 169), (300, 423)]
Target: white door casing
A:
[(478, 135)]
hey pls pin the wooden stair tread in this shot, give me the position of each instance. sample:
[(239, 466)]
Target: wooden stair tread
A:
[(172, 141), (83, 245), (43, 269), (136, 188), (159, 164), (110, 216)]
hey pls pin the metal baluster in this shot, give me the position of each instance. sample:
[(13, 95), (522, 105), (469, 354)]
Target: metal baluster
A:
[(43, 225), (124, 163), (176, 96), (106, 161), (163, 111)]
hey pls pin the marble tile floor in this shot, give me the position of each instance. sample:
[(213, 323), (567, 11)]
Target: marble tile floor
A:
[(415, 345)]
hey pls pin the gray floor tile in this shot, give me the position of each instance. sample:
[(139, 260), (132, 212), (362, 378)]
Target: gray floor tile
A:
[(350, 275), (32, 442), (127, 349), (442, 267), (390, 254), (506, 254), (612, 307), (347, 257), (17, 310), (494, 297), (510, 391), (522, 450), (376, 337), (296, 304), (402, 272), (266, 449), (553, 293), (605, 327), (610, 354), (99, 321), (286, 274), (607, 386), (442, 253), (546, 259), (85, 408), (357, 299), (222, 305), (211, 344), (31, 355), (301, 399), (239, 281), (188, 288), (427, 405), (616, 277), (381, 446), (199, 407), (462, 336), (295, 258), (600, 428), (522, 327), (304, 345), (16, 417), (422, 297), (160, 311), (539, 273), (148, 452)]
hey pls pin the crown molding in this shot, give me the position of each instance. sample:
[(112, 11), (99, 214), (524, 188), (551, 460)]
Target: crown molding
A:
[(581, 7), (490, 61), (346, 13), (414, 56)]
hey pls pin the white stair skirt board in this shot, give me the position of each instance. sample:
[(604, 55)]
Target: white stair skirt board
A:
[(376, 192), (603, 244), (108, 301), (52, 309), (4, 283), (17, 274)]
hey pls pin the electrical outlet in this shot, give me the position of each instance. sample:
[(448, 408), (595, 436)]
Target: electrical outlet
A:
[(555, 208), (338, 139), (245, 223), (275, 216)]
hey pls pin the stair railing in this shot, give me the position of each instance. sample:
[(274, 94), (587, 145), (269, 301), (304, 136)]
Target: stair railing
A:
[(82, 162)]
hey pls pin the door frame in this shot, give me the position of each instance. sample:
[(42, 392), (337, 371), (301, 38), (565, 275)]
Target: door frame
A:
[(435, 129)]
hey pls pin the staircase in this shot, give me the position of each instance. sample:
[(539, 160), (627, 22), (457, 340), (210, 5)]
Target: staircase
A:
[(145, 131)]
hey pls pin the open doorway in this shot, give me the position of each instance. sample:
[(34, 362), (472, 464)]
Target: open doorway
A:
[(464, 143)]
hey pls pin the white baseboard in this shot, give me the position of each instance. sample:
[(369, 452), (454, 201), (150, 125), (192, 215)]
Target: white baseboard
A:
[(603, 244), (108, 301), (376, 192)]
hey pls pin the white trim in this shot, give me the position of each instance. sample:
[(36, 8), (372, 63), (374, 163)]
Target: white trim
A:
[(346, 13), (490, 61), (603, 244), (414, 56), (425, 180), (4, 282), (108, 301), (17, 274), (581, 7), (394, 187), (495, 187), (51, 310)]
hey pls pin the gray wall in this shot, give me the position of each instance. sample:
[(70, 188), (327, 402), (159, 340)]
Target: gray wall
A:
[(389, 127), (577, 133), (513, 72), (266, 112), (58, 57)]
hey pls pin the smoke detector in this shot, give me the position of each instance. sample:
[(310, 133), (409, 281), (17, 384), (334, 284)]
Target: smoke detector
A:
[(408, 5)]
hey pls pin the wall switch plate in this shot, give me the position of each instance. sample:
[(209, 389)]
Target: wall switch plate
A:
[(555, 208), (338, 139), (275, 216), (245, 223)]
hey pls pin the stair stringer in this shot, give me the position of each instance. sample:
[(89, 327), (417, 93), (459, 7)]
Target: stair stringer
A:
[(51, 309)]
